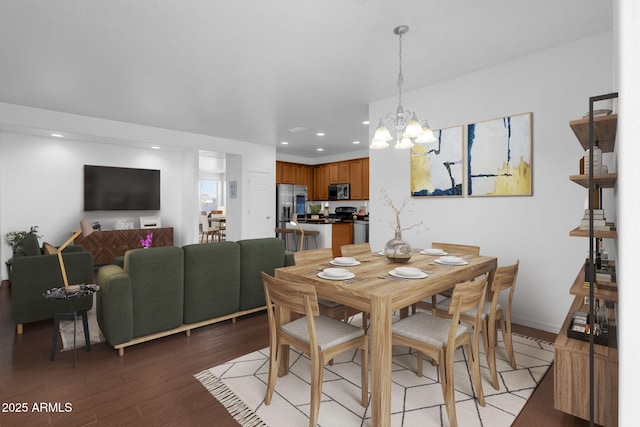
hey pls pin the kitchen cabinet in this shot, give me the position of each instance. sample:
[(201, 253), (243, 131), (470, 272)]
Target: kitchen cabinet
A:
[(341, 234), (365, 178), (334, 173), (317, 178), (285, 173), (344, 174), (572, 356), (321, 182), (356, 179)]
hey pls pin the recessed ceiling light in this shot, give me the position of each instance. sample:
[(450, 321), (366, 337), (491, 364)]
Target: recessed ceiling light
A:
[(366, 122), (320, 133), (356, 142), (155, 147), (319, 149), (56, 135), (284, 143)]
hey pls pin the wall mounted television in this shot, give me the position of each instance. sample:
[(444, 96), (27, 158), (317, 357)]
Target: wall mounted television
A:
[(108, 188)]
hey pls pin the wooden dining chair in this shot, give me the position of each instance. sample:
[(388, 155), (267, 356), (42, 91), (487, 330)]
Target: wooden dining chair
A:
[(320, 337), (327, 307), (438, 338), (355, 249), (451, 249), (491, 313), (208, 231)]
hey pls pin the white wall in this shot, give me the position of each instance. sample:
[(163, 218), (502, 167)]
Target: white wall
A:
[(41, 177), (629, 206), (555, 86)]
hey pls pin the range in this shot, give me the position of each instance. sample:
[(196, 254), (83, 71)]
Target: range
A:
[(344, 213)]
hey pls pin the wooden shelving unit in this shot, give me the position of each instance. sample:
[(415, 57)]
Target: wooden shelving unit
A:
[(603, 180), (573, 357), (605, 131)]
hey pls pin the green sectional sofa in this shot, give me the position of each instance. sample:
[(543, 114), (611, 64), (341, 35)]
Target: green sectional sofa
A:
[(33, 272), (166, 290)]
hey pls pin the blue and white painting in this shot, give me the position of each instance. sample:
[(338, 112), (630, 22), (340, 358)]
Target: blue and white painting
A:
[(499, 157), (437, 167)]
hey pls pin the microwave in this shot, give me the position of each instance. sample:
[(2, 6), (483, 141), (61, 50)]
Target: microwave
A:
[(339, 192)]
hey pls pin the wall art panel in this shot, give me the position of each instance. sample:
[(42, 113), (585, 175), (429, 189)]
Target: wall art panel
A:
[(437, 167), (499, 155)]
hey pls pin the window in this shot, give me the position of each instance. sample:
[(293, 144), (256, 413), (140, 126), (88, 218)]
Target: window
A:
[(210, 195)]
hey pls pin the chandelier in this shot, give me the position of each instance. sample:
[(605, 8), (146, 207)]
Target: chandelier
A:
[(408, 129)]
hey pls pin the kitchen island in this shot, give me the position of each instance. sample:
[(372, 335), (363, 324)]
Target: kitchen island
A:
[(330, 235)]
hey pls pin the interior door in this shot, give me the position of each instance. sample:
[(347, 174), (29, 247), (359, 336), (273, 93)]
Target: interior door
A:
[(261, 204)]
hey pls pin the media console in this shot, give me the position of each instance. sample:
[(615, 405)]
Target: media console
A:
[(107, 244)]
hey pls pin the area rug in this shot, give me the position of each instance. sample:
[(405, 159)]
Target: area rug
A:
[(240, 385), (66, 330)]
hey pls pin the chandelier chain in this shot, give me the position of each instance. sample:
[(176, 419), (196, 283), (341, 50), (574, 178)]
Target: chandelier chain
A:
[(400, 76)]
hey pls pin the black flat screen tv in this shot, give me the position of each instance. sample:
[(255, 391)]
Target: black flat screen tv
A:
[(109, 188)]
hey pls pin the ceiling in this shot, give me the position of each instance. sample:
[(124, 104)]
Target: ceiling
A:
[(251, 70)]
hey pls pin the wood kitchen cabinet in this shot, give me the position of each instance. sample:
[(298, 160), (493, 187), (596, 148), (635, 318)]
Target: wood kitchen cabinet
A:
[(341, 234), (317, 178), (365, 178), (321, 182), (334, 173), (356, 179), (344, 174), (285, 173)]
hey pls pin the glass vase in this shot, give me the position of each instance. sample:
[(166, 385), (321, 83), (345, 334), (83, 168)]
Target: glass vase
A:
[(397, 250)]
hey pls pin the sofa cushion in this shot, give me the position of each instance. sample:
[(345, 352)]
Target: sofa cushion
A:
[(30, 246), (211, 280), (257, 255), (157, 288)]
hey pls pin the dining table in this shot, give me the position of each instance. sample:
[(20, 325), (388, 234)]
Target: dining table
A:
[(376, 289)]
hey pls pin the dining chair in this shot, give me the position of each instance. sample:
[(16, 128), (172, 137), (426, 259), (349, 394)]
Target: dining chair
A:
[(452, 249), (320, 337), (355, 249), (492, 312), (438, 338), (327, 307), (207, 230)]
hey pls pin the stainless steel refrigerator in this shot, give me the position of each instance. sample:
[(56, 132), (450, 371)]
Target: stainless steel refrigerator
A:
[(290, 199)]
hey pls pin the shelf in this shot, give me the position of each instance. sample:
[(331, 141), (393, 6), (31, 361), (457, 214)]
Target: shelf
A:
[(604, 129), (600, 234), (602, 180), (607, 291)]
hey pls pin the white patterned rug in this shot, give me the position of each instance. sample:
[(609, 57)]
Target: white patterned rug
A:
[(240, 385), (66, 330)]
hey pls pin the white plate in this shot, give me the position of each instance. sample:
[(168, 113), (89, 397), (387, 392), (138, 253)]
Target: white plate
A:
[(345, 277), (450, 259), (433, 252), (334, 262), (422, 275), (463, 262)]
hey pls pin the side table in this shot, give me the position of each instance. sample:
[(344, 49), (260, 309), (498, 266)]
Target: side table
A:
[(63, 293)]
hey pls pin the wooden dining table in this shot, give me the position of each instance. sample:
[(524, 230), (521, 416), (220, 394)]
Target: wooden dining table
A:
[(375, 291)]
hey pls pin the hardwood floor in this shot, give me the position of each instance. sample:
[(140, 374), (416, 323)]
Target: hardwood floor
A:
[(153, 383)]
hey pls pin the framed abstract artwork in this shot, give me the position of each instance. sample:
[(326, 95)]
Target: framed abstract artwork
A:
[(499, 154), (437, 167)]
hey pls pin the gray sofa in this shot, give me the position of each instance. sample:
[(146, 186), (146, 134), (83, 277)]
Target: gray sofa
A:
[(166, 290)]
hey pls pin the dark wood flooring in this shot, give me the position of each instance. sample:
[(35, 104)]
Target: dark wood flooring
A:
[(153, 383)]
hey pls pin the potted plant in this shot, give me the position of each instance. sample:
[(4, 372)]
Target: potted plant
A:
[(15, 238)]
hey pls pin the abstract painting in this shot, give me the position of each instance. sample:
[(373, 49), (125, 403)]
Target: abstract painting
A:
[(437, 167), (499, 157)]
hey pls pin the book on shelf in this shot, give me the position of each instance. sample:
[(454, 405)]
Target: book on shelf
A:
[(596, 222)]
